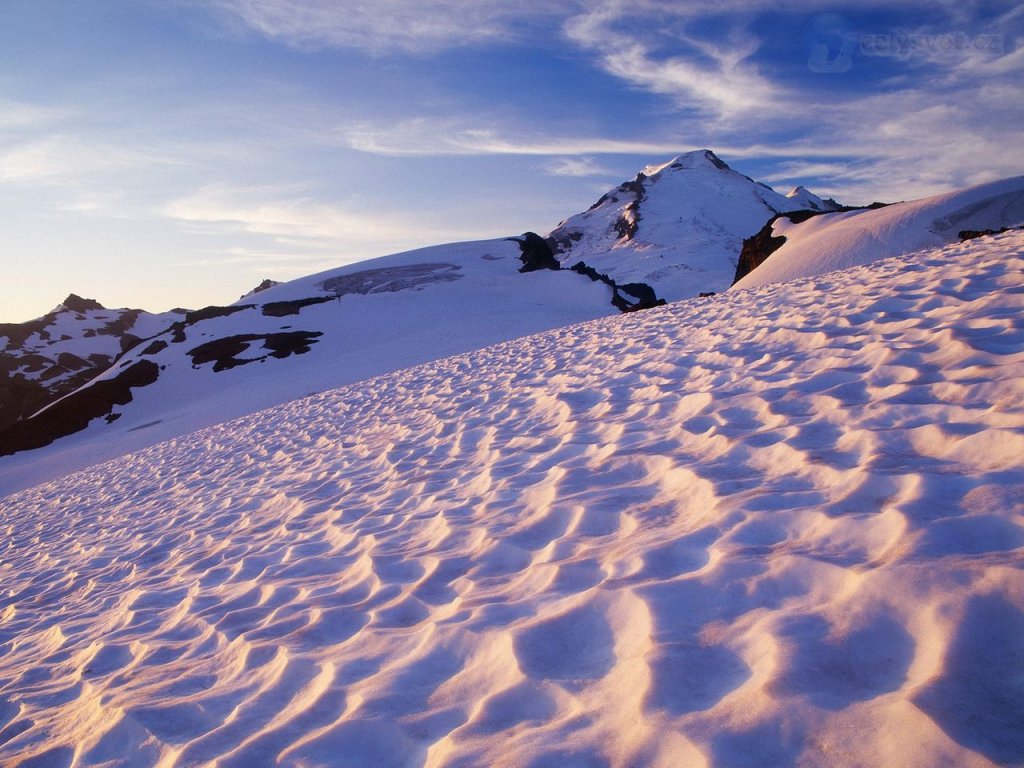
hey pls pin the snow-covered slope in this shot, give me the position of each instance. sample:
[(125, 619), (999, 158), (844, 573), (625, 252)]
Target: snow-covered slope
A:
[(677, 227), (42, 359), (778, 527), (685, 221), (289, 340), (840, 240)]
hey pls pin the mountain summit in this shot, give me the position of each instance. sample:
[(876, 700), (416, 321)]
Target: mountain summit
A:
[(677, 227), (75, 303)]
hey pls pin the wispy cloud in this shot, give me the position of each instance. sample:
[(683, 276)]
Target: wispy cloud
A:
[(716, 78), (453, 136), (430, 137), (297, 224), (19, 114), (65, 160), (577, 167), (386, 25)]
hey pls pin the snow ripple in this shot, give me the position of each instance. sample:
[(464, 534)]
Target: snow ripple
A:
[(779, 527)]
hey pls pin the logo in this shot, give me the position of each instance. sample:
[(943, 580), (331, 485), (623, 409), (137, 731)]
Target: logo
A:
[(831, 41)]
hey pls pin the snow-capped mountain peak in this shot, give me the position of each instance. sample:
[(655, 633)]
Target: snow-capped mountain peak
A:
[(676, 227), (53, 355), (810, 201), (697, 159)]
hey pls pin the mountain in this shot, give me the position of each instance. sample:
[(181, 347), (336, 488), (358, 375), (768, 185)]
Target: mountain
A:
[(776, 527), (809, 201), (677, 228), (307, 335), (282, 341), (46, 358), (792, 246)]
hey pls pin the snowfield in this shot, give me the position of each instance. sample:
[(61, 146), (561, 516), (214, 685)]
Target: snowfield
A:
[(374, 317), (842, 240), (777, 527)]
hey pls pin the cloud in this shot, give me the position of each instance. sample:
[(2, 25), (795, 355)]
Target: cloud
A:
[(297, 224), (715, 78), (429, 137), (577, 167), (423, 137), (384, 25), (18, 114), (61, 160)]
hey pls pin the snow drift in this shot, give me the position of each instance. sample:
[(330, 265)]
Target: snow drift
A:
[(840, 240), (776, 527)]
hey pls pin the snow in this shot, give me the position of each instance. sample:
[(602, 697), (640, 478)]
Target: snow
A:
[(782, 526), (363, 335), (82, 334), (690, 226), (840, 240), (810, 201)]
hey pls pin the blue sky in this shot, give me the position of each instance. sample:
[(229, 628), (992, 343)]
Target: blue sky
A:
[(160, 153)]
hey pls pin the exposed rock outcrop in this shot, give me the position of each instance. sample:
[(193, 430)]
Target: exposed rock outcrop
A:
[(224, 353), (638, 295), (76, 303), (74, 412), (263, 286), (971, 234), (757, 248), (535, 253)]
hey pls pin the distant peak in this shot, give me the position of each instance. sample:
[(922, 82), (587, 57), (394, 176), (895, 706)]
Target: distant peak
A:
[(76, 303), (803, 196), (699, 158), (265, 285)]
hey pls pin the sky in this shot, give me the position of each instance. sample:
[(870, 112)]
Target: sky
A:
[(174, 153)]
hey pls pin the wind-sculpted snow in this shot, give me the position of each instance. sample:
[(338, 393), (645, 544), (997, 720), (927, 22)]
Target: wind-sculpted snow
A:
[(778, 527), (308, 335), (813, 246)]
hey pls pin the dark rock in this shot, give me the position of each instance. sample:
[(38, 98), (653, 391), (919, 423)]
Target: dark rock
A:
[(716, 160), (266, 284), (18, 333), (74, 412), (71, 362), (223, 353), (757, 248), (154, 347), (208, 313), (535, 253), (128, 341), (78, 304), (627, 224), (641, 291), (283, 308), (19, 399), (644, 295), (971, 234)]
